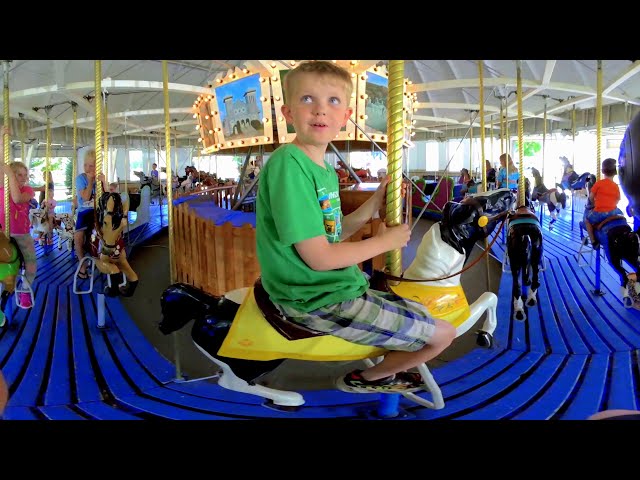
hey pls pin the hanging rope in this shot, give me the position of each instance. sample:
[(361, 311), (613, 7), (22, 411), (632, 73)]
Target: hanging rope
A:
[(521, 195), (599, 118), (7, 146)]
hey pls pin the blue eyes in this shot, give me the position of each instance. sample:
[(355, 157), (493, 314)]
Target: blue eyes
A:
[(309, 99)]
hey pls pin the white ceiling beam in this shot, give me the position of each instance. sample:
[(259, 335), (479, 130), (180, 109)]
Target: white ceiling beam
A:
[(454, 106), (548, 72), (155, 127), (632, 70)]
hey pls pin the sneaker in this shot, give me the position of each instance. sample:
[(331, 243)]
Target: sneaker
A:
[(403, 382), (25, 299)]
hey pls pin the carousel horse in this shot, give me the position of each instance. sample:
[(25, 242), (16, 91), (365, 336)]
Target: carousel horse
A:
[(10, 263), (570, 179), (42, 223), (64, 225), (552, 198), (524, 249), (106, 246), (620, 243), (246, 335)]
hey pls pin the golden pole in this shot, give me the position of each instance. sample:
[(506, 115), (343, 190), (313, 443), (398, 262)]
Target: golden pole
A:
[(23, 135), (599, 119), (483, 161), (167, 142), (47, 156), (7, 146), (544, 136), (507, 143), (98, 123), (521, 196), (74, 167), (470, 142), (167, 150), (105, 122), (395, 130)]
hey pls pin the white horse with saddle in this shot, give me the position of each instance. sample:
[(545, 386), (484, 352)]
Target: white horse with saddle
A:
[(246, 336)]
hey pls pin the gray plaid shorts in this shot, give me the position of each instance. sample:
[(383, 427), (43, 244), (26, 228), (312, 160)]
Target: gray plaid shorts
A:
[(377, 319)]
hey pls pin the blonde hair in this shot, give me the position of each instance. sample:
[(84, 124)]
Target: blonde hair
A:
[(320, 68), (15, 166), (90, 155)]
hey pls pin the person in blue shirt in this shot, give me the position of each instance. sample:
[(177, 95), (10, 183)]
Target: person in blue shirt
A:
[(514, 175)]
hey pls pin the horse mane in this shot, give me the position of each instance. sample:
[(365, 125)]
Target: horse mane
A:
[(117, 213)]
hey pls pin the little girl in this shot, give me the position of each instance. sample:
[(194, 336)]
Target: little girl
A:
[(20, 194)]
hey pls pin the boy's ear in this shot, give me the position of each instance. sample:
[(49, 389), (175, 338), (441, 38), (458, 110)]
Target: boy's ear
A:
[(286, 111), (347, 114)]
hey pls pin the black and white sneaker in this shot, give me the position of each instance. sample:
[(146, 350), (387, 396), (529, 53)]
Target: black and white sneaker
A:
[(402, 382)]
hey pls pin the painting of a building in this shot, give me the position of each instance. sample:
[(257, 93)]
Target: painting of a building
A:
[(241, 108), (377, 91)]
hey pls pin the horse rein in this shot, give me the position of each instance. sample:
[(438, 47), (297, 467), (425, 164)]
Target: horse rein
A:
[(504, 214)]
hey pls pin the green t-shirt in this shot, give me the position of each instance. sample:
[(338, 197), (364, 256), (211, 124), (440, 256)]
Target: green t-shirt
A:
[(298, 200)]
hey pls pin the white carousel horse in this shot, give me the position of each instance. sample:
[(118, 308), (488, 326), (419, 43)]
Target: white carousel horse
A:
[(42, 223), (246, 336), (64, 225)]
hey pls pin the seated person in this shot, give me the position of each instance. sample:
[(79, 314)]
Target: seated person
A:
[(514, 175), (48, 179), (603, 200), (154, 171), (464, 180)]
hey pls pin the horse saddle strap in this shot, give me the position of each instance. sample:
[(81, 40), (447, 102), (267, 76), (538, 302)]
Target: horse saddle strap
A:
[(284, 326), (598, 226)]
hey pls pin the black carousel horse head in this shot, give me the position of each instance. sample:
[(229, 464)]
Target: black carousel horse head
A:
[(474, 218), (180, 303), (629, 165), (117, 212)]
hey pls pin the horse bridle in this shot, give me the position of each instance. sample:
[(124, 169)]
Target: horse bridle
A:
[(502, 215)]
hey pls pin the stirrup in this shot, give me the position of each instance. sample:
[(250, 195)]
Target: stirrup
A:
[(23, 286), (90, 268), (585, 249)]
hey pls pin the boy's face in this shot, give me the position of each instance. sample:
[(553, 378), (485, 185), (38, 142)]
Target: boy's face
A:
[(318, 109)]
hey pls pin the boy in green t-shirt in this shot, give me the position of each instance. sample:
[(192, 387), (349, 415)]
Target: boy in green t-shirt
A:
[(308, 273)]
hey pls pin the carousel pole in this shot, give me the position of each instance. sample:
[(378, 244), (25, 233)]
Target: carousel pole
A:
[(98, 146), (389, 403), (597, 290), (74, 167), (167, 151), (483, 163), (7, 147), (521, 184)]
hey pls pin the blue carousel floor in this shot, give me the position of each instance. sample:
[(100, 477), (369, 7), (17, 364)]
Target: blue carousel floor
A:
[(575, 355)]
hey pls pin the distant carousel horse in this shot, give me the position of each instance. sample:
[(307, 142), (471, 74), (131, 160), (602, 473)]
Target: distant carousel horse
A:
[(43, 224), (570, 179), (552, 198), (64, 225), (106, 249), (246, 336)]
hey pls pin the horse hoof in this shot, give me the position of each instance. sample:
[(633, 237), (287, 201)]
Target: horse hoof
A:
[(627, 302), (484, 339), (268, 403), (531, 302), (111, 291), (519, 315)]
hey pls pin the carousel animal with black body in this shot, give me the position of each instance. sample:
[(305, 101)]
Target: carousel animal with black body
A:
[(524, 252), (552, 198), (570, 179), (246, 336)]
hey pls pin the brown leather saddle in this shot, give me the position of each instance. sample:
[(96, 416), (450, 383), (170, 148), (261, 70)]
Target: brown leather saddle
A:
[(598, 226), (285, 327)]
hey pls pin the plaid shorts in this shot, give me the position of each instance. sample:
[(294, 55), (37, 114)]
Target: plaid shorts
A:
[(377, 319)]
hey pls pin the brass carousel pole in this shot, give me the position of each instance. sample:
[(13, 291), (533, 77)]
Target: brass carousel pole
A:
[(74, 167), (388, 406), (599, 119), (7, 147), (483, 162), (167, 151), (521, 195), (98, 126)]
